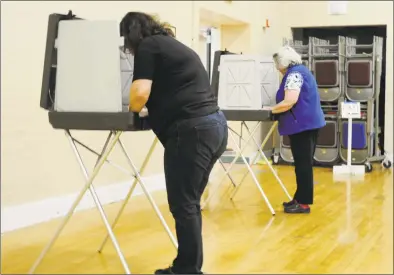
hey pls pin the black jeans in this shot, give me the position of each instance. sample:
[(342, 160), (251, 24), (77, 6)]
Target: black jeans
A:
[(303, 147), (192, 147)]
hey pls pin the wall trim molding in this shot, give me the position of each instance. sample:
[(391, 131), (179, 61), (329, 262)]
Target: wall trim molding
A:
[(24, 215), (31, 213)]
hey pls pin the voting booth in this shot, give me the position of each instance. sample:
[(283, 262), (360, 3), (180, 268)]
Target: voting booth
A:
[(85, 86), (247, 85)]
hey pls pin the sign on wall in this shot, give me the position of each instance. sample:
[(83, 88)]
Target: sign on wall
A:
[(337, 7)]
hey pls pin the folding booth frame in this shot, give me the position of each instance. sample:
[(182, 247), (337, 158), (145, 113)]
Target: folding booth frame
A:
[(252, 116), (115, 123)]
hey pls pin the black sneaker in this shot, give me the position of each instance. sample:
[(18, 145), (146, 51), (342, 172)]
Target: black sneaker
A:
[(167, 270), (296, 208), (287, 204)]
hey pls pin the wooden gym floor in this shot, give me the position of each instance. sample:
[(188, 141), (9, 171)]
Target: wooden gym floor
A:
[(343, 234)]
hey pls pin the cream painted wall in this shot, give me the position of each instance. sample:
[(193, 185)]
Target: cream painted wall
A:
[(314, 13), (36, 160), (248, 34)]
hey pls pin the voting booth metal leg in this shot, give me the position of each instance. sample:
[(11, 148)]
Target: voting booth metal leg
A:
[(261, 153), (129, 194), (227, 172), (107, 149), (139, 180), (255, 180)]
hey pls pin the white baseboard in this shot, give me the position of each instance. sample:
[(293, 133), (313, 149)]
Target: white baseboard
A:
[(28, 214), (20, 216)]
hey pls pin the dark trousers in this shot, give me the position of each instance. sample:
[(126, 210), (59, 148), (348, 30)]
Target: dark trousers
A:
[(191, 147), (303, 147)]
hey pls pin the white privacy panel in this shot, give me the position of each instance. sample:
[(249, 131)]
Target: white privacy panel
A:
[(88, 77), (239, 82), (127, 73), (216, 38), (269, 81), (204, 39), (247, 82)]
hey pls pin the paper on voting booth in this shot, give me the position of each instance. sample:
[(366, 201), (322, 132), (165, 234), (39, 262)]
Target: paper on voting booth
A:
[(144, 112)]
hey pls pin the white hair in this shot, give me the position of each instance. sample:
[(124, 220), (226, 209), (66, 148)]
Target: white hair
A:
[(287, 56)]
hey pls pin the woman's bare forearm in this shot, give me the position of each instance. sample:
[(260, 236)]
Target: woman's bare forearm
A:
[(282, 107)]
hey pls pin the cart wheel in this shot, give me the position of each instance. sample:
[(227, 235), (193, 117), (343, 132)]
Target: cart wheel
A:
[(386, 163), (368, 167)]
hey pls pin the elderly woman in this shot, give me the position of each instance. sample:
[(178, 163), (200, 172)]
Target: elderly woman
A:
[(300, 117)]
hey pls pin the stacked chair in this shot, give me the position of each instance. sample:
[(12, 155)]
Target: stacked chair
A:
[(327, 66), (344, 71), (363, 67)]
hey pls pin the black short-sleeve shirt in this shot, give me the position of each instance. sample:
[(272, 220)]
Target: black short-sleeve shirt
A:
[(180, 83)]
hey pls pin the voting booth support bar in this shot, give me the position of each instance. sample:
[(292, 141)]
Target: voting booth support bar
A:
[(111, 141), (240, 153)]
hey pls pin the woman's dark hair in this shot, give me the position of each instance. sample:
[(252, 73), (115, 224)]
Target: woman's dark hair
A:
[(135, 26)]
